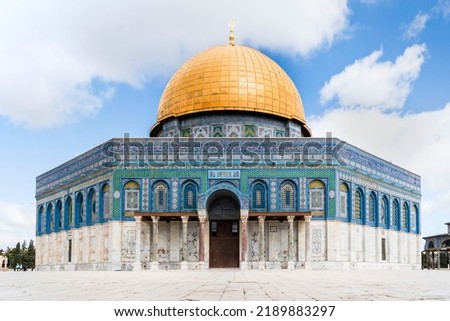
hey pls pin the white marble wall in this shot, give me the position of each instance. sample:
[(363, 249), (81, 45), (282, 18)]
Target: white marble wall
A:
[(334, 244)]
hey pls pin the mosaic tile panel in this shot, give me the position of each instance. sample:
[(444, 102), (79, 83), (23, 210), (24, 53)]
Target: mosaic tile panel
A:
[(303, 193), (233, 131), (316, 241), (202, 131), (217, 131), (273, 194), (174, 195), (145, 194), (185, 132), (249, 131)]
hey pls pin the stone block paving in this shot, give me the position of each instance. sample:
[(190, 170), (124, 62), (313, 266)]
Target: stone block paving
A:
[(227, 285)]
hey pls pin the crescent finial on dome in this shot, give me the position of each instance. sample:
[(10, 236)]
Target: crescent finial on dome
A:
[(231, 24)]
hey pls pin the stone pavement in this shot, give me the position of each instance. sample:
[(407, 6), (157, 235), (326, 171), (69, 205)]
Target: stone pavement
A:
[(227, 285)]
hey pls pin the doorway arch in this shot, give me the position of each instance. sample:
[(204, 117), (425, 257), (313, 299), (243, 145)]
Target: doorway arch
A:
[(223, 212)]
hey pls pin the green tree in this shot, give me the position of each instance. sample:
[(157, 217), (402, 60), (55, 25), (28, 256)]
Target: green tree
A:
[(13, 255), (22, 255), (30, 255)]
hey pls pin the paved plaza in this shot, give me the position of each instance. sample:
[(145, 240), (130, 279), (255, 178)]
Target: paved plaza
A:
[(227, 285)]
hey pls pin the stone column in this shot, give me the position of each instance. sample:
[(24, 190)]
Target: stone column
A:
[(291, 249), (202, 238), (115, 245), (155, 235), (262, 243), (244, 240), (137, 257), (307, 242), (184, 250), (438, 259)]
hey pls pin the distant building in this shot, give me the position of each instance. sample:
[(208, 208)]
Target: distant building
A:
[(437, 251), (229, 177)]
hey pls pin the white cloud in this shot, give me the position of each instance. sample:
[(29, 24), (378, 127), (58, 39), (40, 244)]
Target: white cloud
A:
[(371, 83), (53, 52), (17, 224), (416, 141), (443, 6), (416, 26), (369, 2), (370, 94)]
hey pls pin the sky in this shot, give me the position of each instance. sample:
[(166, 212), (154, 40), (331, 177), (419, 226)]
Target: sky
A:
[(74, 74)]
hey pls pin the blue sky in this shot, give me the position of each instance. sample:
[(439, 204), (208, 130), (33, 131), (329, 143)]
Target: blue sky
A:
[(73, 75)]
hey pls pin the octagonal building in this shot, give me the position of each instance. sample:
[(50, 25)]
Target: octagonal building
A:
[(229, 177)]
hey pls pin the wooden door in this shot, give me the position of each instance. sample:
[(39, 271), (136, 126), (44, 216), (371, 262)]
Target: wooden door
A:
[(224, 244)]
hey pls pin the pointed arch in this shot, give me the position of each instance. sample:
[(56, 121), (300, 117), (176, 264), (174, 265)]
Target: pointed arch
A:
[(384, 211), (91, 206), (359, 205), (105, 202), (132, 193), (50, 219), (344, 199), (404, 216), (160, 196), (414, 218), (58, 216), (288, 193), (373, 208), (445, 243), (189, 196), (316, 195), (79, 210), (259, 196), (395, 214), (68, 213), (41, 220)]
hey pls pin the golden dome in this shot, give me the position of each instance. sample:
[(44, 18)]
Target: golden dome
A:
[(235, 78)]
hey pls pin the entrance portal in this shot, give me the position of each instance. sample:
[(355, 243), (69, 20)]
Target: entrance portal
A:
[(223, 215)]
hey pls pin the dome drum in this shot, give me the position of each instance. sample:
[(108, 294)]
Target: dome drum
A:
[(231, 125)]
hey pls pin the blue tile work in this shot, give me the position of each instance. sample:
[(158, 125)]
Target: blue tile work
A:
[(48, 221), (209, 162), (145, 194), (273, 194), (216, 124)]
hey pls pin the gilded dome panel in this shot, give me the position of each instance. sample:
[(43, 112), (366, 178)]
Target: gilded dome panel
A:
[(231, 78)]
